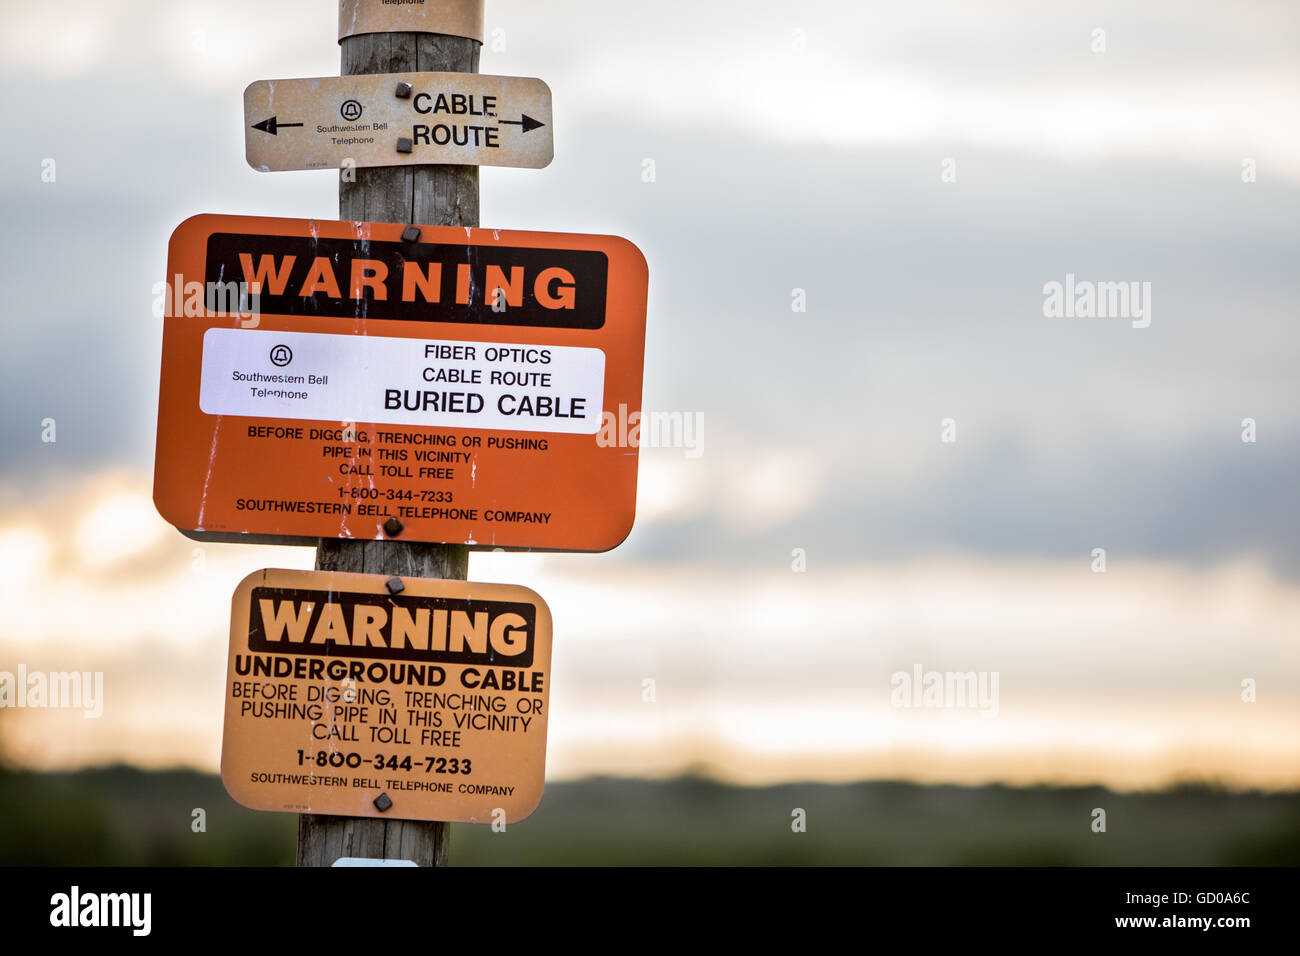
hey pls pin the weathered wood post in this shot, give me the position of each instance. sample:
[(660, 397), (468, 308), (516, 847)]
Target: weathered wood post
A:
[(432, 195)]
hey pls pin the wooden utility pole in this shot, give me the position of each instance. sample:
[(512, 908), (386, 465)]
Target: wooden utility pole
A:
[(435, 196)]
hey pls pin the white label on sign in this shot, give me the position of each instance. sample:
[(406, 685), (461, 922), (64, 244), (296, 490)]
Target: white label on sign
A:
[(390, 381)]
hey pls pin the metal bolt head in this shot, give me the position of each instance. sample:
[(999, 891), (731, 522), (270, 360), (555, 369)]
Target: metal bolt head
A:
[(404, 144), (383, 802), (395, 586), (403, 90), (392, 527), (410, 234)]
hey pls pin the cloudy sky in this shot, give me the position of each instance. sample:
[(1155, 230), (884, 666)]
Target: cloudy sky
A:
[(920, 172)]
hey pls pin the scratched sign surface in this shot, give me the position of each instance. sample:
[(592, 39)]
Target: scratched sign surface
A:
[(370, 380)]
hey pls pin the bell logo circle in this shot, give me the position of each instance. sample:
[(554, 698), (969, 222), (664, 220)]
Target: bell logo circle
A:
[(350, 110), (281, 356)]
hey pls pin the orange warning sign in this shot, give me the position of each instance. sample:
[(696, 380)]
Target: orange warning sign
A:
[(369, 380), (364, 696)]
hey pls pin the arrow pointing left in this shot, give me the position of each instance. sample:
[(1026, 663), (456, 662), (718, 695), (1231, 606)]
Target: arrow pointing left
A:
[(271, 126)]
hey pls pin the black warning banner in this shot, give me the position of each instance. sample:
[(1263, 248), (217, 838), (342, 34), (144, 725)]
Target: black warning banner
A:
[(415, 281), (409, 628)]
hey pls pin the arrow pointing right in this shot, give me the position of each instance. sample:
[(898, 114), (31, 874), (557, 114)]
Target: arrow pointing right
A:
[(527, 124), (271, 126)]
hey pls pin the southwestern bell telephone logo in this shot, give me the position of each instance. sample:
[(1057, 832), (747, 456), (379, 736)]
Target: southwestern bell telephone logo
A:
[(281, 356)]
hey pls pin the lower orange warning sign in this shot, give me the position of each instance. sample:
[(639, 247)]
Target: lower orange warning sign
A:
[(364, 696)]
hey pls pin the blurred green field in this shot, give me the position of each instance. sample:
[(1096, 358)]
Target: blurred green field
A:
[(124, 816)]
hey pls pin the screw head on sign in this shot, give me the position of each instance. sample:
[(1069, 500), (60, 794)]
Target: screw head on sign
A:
[(404, 144), (395, 586), (383, 802), (392, 527), (410, 234), (403, 90)]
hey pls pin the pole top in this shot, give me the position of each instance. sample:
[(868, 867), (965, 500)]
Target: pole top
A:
[(457, 18)]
